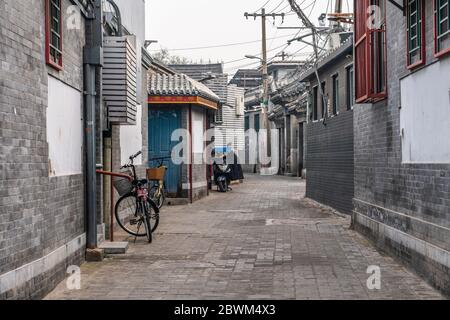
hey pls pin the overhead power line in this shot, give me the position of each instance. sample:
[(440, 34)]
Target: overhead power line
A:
[(279, 5), (265, 4), (226, 45)]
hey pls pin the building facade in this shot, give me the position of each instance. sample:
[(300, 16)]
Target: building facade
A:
[(228, 121), (247, 78), (289, 116), (42, 222), (401, 130), (283, 117), (55, 57), (178, 112), (329, 130)]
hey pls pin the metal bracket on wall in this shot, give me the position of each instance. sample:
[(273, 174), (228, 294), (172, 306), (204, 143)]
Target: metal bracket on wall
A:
[(93, 56)]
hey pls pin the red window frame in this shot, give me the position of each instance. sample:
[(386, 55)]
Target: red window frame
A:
[(365, 57), (438, 53), (58, 65), (423, 38)]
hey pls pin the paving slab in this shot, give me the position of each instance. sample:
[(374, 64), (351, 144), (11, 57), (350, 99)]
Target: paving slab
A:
[(263, 240)]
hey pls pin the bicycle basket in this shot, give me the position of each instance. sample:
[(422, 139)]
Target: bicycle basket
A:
[(122, 185), (156, 174)]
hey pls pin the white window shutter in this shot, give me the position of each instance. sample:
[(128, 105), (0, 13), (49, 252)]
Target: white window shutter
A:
[(240, 105)]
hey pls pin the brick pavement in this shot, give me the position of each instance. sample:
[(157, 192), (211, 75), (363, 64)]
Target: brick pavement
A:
[(261, 241)]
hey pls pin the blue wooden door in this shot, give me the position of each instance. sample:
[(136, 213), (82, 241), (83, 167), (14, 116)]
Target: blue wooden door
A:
[(161, 124)]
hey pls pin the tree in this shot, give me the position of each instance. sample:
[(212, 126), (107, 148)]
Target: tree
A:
[(165, 57)]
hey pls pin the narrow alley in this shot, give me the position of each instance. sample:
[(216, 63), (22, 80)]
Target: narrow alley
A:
[(264, 240)]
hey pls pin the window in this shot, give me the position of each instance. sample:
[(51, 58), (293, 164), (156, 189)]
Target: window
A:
[(349, 90), (416, 33), (53, 36), (442, 27), (218, 116), (335, 94), (257, 123), (314, 103), (323, 110), (370, 50), (247, 123)]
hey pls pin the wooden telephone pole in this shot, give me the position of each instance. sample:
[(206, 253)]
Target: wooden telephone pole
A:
[(265, 76)]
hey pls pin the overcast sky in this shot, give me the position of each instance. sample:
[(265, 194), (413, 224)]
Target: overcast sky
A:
[(180, 24)]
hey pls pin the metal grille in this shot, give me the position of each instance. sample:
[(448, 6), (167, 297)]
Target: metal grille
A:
[(120, 79)]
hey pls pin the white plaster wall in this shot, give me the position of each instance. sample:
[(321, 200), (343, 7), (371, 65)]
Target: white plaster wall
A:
[(133, 18), (425, 115), (64, 129), (197, 131), (131, 139)]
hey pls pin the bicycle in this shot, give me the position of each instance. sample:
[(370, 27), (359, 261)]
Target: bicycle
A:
[(156, 175), (135, 208)]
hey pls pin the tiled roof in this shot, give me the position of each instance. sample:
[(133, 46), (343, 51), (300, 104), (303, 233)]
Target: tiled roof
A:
[(328, 57), (198, 71), (178, 85)]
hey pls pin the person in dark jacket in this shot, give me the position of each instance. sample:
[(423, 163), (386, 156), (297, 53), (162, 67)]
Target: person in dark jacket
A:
[(236, 168)]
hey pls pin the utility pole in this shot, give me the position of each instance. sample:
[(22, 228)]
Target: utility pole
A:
[(265, 76), (283, 55)]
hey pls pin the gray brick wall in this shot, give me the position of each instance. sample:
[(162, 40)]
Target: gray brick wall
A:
[(329, 148), (410, 198), (329, 162), (37, 214)]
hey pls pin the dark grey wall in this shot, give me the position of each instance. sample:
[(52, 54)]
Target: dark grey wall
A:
[(329, 162), (411, 201), (329, 149), (38, 214)]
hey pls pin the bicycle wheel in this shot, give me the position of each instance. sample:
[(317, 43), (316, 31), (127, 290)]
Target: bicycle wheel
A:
[(158, 196), (130, 215), (154, 214), (223, 186), (147, 222)]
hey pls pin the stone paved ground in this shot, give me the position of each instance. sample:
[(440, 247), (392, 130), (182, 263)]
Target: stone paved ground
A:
[(261, 241)]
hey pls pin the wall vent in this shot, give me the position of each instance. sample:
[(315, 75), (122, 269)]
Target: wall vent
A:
[(120, 79)]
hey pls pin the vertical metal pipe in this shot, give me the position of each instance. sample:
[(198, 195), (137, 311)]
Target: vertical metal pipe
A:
[(111, 222), (191, 155), (92, 60), (91, 196)]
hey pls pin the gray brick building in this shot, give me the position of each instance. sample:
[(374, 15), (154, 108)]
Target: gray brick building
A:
[(42, 223), (402, 125), (43, 198), (329, 130)]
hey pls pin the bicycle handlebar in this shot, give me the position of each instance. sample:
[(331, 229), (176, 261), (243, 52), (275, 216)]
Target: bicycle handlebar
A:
[(136, 155), (131, 164)]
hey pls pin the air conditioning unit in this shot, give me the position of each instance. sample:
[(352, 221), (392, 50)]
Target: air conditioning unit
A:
[(240, 105)]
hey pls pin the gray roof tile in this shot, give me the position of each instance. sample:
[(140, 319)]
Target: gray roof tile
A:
[(178, 85)]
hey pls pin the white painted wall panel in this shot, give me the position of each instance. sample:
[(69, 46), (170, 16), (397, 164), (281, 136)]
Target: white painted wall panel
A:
[(197, 131), (131, 139), (64, 129), (425, 115), (133, 18)]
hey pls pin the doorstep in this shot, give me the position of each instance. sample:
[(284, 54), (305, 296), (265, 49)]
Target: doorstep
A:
[(114, 247)]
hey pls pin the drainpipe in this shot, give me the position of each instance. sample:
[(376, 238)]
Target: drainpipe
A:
[(93, 60), (191, 155)]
